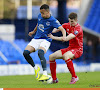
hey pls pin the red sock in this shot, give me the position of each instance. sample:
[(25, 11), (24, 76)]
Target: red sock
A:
[(53, 69), (71, 67)]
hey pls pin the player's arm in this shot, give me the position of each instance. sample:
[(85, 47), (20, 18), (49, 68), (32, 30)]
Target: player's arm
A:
[(32, 32), (35, 29), (73, 34), (55, 38), (62, 30), (55, 30), (69, 37), (57, 24)]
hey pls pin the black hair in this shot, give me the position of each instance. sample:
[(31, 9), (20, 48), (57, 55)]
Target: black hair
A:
[(44, 6), (72, 15)]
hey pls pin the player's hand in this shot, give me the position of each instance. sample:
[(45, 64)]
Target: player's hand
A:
[(50, 35), (30, 34)]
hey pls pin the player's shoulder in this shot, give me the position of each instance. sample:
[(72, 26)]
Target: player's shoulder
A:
[(78, 26), (52, 18), (39, 15)]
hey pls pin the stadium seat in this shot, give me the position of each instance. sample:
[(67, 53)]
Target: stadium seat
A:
[(14, 57), (93, 17)]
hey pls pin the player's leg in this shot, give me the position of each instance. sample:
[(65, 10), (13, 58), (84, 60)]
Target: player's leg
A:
[(26, 53), (56, 55), (41, 53), (42, 50), (52, 57), (67, 57), (31, 47)]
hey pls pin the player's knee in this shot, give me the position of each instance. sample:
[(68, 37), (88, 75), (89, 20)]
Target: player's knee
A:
[(51, 57), (40, 52), (26, 52), (65, 57)]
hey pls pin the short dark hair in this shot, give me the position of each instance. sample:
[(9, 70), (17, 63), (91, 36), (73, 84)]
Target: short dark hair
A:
[(44, 6), (72, 15)]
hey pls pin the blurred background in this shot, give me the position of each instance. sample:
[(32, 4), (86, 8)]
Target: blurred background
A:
[(19, 17)]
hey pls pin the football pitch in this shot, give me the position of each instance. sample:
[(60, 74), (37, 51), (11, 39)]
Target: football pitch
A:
[(86, 80)]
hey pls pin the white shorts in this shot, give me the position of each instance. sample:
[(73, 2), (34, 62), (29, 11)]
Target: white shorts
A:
[(37, 43)]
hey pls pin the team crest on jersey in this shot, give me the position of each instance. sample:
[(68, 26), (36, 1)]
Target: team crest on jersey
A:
[(41, 27), (48, 23)]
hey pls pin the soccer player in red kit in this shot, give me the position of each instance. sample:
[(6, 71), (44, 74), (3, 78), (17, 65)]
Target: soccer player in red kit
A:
[(75, 49)]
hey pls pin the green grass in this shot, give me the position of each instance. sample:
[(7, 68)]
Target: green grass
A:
[(86, 80)]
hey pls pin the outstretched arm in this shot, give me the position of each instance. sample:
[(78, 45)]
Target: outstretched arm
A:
[(32, 32), (55, 38), (62, 30), (55, 30), (69, 37)]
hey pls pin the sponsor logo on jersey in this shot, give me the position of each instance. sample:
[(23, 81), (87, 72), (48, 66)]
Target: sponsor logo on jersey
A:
[(41, 27)]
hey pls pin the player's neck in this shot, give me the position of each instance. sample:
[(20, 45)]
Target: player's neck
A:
[(74, 25), (49, 16)]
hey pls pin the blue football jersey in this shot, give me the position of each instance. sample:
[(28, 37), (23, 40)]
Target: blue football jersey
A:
[(45, 26)]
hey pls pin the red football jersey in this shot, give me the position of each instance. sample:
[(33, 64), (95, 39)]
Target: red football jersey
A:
[(76, 42)]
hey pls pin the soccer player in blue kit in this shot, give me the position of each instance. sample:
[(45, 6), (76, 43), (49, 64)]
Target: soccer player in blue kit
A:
[(41, 41)]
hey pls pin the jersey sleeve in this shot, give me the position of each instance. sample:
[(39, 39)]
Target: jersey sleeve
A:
[(56, 24), (64, 26), (77, 31)]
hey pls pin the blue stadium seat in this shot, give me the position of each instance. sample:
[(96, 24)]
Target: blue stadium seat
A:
[(12, 54), (93, 17), (2, 62)]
